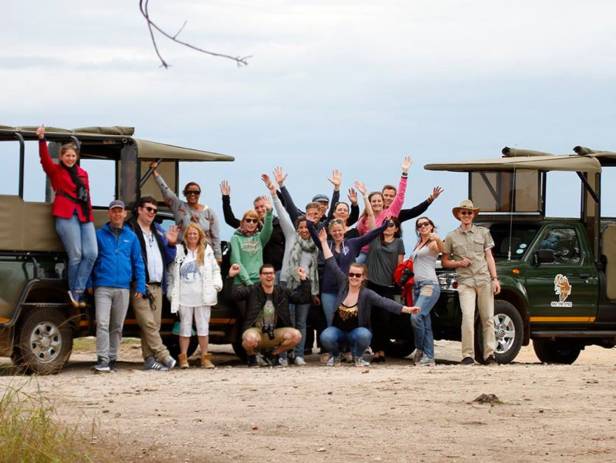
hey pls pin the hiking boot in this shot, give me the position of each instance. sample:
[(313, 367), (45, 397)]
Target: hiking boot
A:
[(360, 362), (417, 356), (282, 360), (113, 365), (206, 361), (74, 299), (467, 361), (151, 363), (347, 357), (251, 361), (262, 361), (491, 361), (183, 359), (299, 361), (333, 360)]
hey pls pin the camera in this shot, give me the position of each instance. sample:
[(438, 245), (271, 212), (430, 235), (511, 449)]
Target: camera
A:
[(406, 274), (269, 329)]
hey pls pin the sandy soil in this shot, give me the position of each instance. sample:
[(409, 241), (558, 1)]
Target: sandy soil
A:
[(392, 412)]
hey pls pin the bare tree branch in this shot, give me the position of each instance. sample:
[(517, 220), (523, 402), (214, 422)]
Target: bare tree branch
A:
[(143, 8)]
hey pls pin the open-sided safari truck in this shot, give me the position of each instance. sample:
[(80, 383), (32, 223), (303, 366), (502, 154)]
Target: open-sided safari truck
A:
[(558, 276), (37, 325)]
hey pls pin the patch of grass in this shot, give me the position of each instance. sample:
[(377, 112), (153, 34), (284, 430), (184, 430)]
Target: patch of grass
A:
[(31, 432)]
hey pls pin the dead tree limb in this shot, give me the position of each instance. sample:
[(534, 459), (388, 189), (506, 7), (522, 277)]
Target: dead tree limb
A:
[(152, 27)]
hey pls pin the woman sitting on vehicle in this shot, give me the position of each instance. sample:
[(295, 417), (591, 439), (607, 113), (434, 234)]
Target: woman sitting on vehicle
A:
[(194, 280), (191, 211), (72, 210), (247, 246), (426, 290), (351, 324)]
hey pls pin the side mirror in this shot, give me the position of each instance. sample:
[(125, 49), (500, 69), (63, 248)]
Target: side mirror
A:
[(544, 256)]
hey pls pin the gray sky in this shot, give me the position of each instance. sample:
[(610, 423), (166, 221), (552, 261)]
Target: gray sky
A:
[(352, 85)]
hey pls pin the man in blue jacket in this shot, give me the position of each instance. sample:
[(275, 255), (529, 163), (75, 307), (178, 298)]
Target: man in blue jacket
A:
[(118, 264)]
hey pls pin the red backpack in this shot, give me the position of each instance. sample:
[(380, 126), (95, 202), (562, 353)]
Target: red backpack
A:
[(404, 277)]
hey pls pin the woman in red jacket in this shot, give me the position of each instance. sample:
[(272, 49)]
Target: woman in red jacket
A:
[(72, 210)]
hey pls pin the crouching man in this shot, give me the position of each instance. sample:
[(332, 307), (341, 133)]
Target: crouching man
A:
[(267, 327)]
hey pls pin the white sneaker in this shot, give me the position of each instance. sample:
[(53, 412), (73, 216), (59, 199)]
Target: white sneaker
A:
[(360, 362), (333, 360), (299, 361), (427, 361)]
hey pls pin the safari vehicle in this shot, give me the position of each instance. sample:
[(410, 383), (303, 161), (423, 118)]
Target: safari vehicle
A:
[(558, 276), (37, 324)]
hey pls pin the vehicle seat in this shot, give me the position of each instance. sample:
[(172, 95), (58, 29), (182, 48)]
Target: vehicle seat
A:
[(608, 239)]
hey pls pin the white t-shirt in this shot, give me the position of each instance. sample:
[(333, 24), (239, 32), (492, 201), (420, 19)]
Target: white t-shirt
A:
[(155, 260), (191, 287)]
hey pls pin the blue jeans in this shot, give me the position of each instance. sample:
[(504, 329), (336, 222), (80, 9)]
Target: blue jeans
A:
[(328, 302), (422, 323), (79, 240), (333, 339), (299, 315)]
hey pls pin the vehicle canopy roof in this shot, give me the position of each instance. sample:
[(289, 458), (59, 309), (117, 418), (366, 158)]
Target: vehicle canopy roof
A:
[(89, 136)]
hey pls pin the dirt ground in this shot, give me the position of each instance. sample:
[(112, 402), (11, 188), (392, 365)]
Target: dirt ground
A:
[(392, 412)]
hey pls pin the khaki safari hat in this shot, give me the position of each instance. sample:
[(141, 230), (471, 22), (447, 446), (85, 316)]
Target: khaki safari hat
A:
[(466, 204)]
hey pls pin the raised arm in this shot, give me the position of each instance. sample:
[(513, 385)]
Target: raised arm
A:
[(283, 216), (230, 219), (370, 221), (416, 211), (314, 234), (396, 205), (336, 180), (168, 195), (48, 165), (287, 200), (354, 214)]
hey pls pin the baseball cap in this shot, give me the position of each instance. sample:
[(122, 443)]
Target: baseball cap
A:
[(320, 198), (117, 203)]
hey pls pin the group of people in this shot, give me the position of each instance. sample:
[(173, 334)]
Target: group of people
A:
[(285, 269)]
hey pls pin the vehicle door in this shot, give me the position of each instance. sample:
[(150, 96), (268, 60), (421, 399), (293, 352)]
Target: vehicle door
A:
[(565, 290)]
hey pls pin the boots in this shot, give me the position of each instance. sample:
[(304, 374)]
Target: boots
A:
[(206, 361), (183, 360)]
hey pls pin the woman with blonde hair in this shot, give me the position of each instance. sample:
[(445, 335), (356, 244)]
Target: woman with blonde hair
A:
[(194, 282)]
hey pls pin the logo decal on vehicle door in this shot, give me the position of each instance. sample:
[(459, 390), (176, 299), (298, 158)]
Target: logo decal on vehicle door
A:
[(562, 288)]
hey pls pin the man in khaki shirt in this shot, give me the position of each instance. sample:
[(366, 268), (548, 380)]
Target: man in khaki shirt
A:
[(468, 249)]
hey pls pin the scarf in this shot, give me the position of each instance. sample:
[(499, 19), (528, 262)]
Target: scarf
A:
[(82, 197), (300, 246)]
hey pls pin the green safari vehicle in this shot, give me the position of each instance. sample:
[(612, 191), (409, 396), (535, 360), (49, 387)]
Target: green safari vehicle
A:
[(558, 276), (37, 325)]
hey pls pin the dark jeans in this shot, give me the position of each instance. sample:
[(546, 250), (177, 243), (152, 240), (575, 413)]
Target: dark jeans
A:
[(381, 318)]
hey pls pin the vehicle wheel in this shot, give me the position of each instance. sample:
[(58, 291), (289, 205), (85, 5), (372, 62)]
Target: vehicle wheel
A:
[(172, 343), (508, 330), (44, 342), (549, 351)]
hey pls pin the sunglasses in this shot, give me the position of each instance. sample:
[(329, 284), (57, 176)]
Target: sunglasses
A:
[(466, 212), (192, 192), (251, 220), (151, 210), (355, 275), (423, 224)]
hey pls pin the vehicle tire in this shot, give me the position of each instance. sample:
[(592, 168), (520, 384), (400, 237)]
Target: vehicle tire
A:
[(44, 341), (509, 332), (172, 343), (562, 352)]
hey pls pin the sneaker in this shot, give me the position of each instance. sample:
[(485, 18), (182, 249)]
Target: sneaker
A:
[(467, 361), (113, 365), (169, 362), (491, 361), (74, 298), (333, 360), (417, 356), (262, 361), (282, 360), (427, 361), (360, 362), (251, 361), (102, 367), (150, 363), (299, 361)]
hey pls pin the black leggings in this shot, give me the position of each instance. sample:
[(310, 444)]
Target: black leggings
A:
[(381, 318)]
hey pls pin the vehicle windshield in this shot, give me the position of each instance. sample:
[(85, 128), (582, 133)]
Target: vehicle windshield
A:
[(522, 235)]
